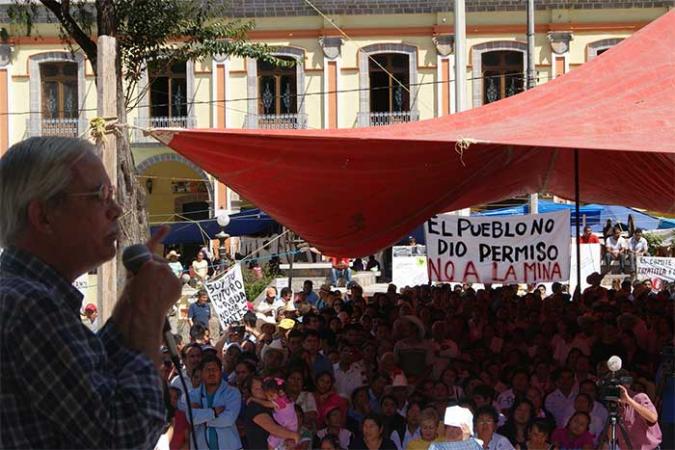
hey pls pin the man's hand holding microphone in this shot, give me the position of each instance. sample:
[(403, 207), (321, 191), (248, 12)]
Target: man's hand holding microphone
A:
[(152, 288)]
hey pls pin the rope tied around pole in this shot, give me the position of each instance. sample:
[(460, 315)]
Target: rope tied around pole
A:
[(100, 126), (463, 145)]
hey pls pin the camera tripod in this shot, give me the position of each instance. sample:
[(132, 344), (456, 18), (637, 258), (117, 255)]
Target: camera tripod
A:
[(612, 423)]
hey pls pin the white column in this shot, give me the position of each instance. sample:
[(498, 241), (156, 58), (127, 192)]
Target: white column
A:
[(460, 56)]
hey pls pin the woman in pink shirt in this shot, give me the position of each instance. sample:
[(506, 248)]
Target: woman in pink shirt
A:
[(575, 435)]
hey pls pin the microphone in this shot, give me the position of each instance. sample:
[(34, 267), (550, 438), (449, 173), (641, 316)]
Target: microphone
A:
[(133, 259), (614, 363)]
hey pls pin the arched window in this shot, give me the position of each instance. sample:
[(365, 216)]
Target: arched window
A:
[(168, 92), (599, 47), (277, 95), (502, 75), (56, 91), (167, 98), (58, 85), (389, 83), (276, 92), (498, 70), (387, 78)]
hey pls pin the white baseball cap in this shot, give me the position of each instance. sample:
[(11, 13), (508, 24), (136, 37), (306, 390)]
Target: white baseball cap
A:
[(456, 416)]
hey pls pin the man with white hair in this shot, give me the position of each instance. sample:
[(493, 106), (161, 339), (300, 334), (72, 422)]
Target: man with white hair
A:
[(61, 385), (458, 431)]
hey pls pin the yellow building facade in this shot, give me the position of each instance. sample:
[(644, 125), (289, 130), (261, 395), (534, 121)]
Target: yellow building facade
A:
[(383, 63)]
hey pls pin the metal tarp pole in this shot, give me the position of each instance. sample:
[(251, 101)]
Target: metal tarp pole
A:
[(576, 221)]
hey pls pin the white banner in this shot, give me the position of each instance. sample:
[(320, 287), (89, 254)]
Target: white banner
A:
[(650, 268), (522, 249), (409, 266), (228, 296), (590, 262)]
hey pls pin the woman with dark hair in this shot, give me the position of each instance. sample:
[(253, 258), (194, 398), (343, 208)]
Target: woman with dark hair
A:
[(390, 418), (335, 427), (258, 421), (538, 436), (515, 428), (329, 442), (326, 398), (372, 436), (359, 409), (575, 435), (296, 390)]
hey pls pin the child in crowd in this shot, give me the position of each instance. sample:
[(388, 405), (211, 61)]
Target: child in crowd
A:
[(575, 435), (284, 411)]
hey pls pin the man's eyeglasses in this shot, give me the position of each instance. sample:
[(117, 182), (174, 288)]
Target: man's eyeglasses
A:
[(104, 194)]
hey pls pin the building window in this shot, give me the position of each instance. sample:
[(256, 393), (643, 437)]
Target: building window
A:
[(168, 91), (277, 88), (502, 74), (58, 91), (389, 83), (276, 93), (599, 47)]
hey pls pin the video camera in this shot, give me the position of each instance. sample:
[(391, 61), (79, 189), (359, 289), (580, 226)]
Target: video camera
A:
[(608, 387)]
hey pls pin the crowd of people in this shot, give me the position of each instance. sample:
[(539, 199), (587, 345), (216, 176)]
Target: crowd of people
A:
[(430, 367)]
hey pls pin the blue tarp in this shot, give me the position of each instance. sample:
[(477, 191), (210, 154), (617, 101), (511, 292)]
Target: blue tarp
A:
[(619, 214), (245, 223), (665, 223)]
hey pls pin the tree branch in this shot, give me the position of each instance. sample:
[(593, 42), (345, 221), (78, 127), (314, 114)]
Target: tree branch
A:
[(62, 12)]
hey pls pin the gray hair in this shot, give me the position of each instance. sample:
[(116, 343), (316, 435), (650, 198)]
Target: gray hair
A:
[(38, 168)]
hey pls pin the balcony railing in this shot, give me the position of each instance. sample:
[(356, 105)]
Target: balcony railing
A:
[(276, 121), (378, 119), (160, 122), (54, 127)]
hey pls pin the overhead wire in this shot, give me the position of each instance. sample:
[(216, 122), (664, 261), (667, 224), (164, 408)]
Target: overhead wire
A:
[(517, 75)]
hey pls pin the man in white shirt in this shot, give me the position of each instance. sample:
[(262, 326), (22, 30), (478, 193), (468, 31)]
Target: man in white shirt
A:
[(349, 375), (635, 247), (269, 305), (615, 246), (562, 399)]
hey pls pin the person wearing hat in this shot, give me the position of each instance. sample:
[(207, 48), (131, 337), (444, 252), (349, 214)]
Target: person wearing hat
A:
[(400, 390), (594, 292), (175, 265), (414, 354), (458, 431), (91, 317)]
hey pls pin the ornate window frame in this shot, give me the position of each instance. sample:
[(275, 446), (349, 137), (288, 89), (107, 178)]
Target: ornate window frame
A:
[(593, 48), (364, 76), (35, 87), (477, 64), (252, 82), (144, 119)]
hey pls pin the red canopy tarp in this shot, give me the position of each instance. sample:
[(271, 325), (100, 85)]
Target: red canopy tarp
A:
[(351, 192)]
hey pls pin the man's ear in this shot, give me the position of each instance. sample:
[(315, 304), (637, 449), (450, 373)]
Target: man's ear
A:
[(38, 217)]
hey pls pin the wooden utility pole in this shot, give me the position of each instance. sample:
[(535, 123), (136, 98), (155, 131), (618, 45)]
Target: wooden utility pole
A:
[(106, 87)]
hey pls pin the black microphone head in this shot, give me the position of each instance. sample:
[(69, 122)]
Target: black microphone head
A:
[(135, 256)]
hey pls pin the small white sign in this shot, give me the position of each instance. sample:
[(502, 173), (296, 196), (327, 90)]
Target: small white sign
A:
[(228, 296), (651, 267)]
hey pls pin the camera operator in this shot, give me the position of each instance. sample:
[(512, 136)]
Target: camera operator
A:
[(640, 419)]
